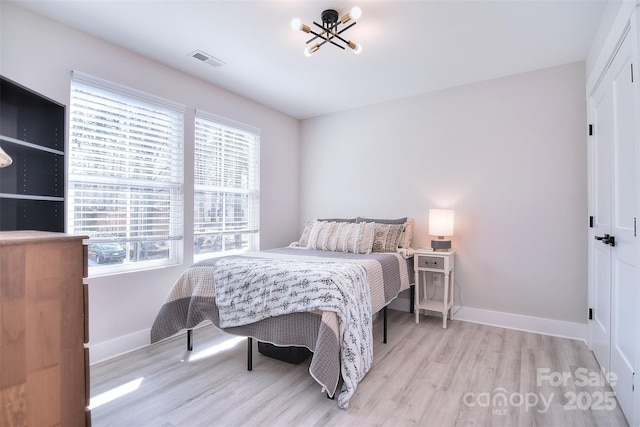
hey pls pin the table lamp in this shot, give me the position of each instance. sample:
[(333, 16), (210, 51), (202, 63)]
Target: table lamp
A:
[(441, 225)]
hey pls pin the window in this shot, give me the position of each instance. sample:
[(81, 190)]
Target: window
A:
[(226, 187), (125, 175)]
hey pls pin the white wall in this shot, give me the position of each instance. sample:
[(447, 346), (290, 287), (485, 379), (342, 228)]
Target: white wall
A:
[(40, 54), (509, 155)]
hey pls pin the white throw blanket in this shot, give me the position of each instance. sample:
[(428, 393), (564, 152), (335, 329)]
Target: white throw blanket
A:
[(249, 290)]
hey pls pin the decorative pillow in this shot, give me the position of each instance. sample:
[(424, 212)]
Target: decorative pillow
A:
[(330, 236), (382, 221), (365, 245), (387, 237), (352, 236), (304, 238), (313, 234), (325, 236), (407, 234), (338, 220), (337, 240), (342, 237)]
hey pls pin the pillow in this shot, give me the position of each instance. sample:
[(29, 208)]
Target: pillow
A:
[(353, 235), (327, 242), (382, 221), (317, 234), (338, 220), (304, 238), (407, 234), (341, 237), (365, 246), (387, 237), (335, 239)]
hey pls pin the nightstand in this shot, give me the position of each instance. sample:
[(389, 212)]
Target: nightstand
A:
[(425, 264)]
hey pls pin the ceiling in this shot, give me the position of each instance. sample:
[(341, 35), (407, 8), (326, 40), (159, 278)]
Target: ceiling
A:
[(409, 47)]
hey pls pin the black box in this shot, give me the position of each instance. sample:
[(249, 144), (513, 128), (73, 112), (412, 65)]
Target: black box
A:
[(287, 354)]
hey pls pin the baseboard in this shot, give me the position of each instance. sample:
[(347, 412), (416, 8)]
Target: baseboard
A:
[(538, 325), (118, 346)]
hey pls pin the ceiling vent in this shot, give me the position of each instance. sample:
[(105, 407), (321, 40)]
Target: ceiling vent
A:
[(206, 58)]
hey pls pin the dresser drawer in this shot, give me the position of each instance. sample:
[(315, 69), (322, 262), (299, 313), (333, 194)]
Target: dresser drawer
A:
[(435, 262)]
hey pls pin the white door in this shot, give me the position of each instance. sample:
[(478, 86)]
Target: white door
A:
[(614, 255), (624, 260), (602, 116)]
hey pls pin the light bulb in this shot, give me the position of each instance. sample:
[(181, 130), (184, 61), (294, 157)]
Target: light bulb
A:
[(355, 46), (355, 13), (296, 24), (311, 49)]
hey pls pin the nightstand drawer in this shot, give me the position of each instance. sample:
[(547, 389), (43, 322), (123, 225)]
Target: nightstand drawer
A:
[(431, 262)]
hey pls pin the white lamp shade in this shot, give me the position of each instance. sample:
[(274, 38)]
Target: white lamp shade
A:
[(440, 222)]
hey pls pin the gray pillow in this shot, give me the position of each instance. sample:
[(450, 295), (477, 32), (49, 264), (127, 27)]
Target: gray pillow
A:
[(382, 221), (339, 220)]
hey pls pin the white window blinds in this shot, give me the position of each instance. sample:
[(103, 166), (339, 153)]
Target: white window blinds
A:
[(226, 186), (125, 174)]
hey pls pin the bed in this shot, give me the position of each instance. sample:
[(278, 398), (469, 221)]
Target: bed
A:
[(319, 293)]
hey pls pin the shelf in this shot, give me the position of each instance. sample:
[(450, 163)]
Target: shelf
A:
[(30, 145), (30, 117), (31, 197), (433, 305), (32, 188), (33, 172), (30, 214)]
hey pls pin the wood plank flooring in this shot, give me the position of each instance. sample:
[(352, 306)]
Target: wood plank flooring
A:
[(465, 375)]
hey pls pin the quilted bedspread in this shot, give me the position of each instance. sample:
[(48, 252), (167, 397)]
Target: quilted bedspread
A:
[(325, 306)]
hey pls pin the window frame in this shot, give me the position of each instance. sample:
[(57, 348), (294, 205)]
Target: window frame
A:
[(252, 191), (170, 185)]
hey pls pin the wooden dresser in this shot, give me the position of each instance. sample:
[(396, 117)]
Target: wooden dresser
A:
[(44, 364)]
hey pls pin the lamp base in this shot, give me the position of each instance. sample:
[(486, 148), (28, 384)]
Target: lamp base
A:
[(441, 245)]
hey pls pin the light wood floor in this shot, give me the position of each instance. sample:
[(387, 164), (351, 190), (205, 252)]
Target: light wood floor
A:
[(424, 376)]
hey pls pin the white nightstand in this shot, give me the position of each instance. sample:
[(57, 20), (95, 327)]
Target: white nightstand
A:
[(425, 262)]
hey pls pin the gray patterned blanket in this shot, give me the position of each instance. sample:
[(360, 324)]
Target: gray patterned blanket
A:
[(193, 299), (248, 290)]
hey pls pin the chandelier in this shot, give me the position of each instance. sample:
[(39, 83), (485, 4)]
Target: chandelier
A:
[(330, 30)]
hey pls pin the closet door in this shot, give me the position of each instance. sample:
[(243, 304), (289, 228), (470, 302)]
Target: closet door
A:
[(624, 255), (600, 327), (614, 249)]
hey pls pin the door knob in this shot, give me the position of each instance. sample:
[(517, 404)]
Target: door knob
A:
[(606, 239)]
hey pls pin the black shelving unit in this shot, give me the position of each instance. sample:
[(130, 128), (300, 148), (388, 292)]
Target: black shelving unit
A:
[(32, 195)]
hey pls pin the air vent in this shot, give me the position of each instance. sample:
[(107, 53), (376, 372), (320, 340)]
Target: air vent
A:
[(206, 58)]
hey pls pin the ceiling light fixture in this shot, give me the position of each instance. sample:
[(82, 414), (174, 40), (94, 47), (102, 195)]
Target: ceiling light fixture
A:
[(330, 30)]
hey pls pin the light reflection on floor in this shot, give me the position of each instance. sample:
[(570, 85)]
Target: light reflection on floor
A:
[(115, 393), (228, 343)]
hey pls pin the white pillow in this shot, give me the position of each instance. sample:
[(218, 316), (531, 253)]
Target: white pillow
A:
[(304, 238), (314, 234), (356, 238), (368, 233), (407, 234)]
